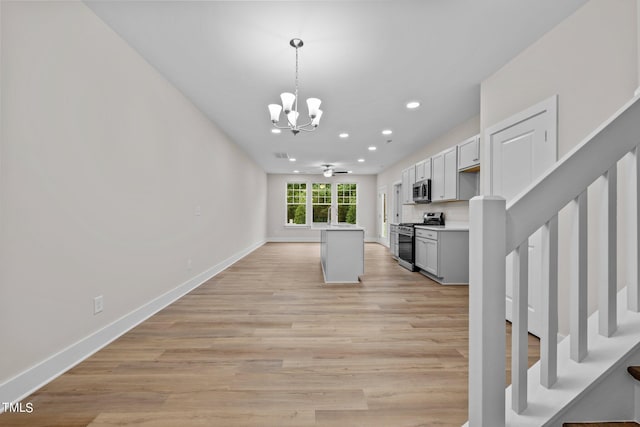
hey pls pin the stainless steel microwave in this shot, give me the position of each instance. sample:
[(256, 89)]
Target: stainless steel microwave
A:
[(422, 191)]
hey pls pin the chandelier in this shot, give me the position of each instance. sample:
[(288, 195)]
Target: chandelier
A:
[(290, 105)]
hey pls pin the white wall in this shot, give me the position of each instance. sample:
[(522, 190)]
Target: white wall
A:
[(103, 166), (454, 211), (590, 61), (277, 211)]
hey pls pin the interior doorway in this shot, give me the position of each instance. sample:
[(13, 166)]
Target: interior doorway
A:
[(396, 203), (383, 226)]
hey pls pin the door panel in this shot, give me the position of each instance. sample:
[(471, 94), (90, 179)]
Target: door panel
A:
[(437, 182), (451, 175), (520, 153), (421, 253), (432, 256)]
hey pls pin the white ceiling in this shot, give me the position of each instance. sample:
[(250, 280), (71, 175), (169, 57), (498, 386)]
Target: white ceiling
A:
[(364, 59)]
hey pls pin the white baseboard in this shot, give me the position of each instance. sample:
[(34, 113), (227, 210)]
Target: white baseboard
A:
[(383, 242), (25, 383), (294, 239)]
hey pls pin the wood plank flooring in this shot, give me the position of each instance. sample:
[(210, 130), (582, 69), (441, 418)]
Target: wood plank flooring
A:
[(266, 343)]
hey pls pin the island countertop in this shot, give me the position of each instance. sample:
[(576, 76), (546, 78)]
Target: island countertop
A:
[(336, 227)]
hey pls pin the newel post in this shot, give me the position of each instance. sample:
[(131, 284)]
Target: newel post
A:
[(487, 346)]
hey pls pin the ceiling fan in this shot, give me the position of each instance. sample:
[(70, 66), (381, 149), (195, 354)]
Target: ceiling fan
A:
[(330, 170)]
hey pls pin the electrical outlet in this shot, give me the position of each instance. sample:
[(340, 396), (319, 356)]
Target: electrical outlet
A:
[(98, 304)]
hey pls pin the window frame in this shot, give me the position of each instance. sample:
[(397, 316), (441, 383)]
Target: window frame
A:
[(287, 204), (330, 204), (347, 204)]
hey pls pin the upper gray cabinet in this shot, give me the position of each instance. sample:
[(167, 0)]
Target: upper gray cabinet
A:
[(408, 179), (423, 170), (469, 153), (447, 183), (444, 180)]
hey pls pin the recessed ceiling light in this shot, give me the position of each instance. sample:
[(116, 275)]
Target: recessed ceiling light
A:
[(387, 132), (372, 148), (296, 171), (275, 131), (344, 135), (291, 159), (360, 160), (413, 105)]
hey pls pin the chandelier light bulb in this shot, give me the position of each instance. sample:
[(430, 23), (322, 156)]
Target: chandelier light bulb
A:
[(287, 101), (316, 120), (313, 104), (275, 109), (293, 118)]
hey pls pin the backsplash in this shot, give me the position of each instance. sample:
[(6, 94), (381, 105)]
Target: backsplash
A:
[(454, 212)]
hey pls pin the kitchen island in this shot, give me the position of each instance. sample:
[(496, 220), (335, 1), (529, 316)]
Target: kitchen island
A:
[(342, 253)]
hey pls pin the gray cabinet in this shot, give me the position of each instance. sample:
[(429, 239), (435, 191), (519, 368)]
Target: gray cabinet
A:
[(393, 241), (420, 253), (443, 255), (444, 181), (469, 153), (426, 250), (423, 170), (408, 179), (447, 183)]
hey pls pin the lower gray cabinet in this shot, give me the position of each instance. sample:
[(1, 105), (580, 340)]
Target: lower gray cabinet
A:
[(426, 253), (443, 255)]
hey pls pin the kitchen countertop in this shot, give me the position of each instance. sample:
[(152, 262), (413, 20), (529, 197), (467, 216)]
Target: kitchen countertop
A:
[(334, 227), (452, 227)]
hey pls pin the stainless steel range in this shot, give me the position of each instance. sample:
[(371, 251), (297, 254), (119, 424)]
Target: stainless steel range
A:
[(406, 240), (406, 246)]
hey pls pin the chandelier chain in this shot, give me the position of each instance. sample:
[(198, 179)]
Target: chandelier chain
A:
[(296, 108)]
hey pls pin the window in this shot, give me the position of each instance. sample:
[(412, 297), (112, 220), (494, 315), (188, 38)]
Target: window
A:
[(306, 207), (296, 203), (347, 202), (320, 202)]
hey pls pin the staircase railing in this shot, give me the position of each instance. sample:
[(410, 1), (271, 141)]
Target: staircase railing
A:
[(497, 229)]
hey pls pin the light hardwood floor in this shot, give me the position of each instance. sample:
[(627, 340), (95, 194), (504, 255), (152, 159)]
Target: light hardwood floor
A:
[(266, 343)]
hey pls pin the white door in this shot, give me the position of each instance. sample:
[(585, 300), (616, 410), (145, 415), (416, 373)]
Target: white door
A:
[(520, 150), (383, 236)]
